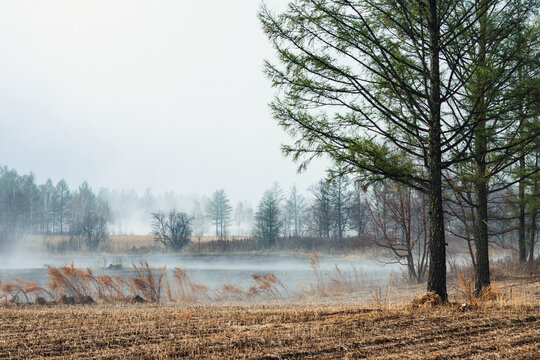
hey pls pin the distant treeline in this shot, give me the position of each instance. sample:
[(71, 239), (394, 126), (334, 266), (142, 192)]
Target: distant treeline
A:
[(337, 215), (30, 208)]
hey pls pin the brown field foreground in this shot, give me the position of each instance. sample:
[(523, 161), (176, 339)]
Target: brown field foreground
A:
[(505, 323)]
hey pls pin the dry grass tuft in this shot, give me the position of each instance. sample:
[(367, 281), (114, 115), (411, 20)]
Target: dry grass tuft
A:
[(185, 289), (466, 287), (266, 285), (488, 293), (149, 283), (110, 288), (69, 280), (428, 299), (472, 299), (334, 282), (81, 284), (228, 292), (19, 289)]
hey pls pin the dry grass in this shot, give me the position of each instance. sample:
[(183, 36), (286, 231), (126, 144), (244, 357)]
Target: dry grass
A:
[(466, 286), (428, 299), (267, 285), (506, 328), (155, 285), (333, 282), (123, 244), (501, 324), (69, 280), (149, 284), (80, 283), (19, 291), (185, 289)]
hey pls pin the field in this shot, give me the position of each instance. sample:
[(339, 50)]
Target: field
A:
[(508, 326), (124, 244)]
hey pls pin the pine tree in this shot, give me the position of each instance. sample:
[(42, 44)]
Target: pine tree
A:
[(268, 218), (377, 87), (219, 212)]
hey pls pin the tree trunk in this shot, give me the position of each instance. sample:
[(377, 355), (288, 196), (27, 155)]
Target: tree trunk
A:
[(532, 235), (413, 276), (521, 194), (437, 244), (482, 249), (482, 253), (534, 213)]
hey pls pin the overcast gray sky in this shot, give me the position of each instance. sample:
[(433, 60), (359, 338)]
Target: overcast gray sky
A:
[(134, 94)]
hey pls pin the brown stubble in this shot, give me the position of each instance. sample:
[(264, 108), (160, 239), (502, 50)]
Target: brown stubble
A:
[(504, 327)]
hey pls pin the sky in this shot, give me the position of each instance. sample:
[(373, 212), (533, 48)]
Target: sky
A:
[(131, 94)]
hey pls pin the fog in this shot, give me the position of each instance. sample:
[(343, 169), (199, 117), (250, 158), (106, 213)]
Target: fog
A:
[(167, 95), (294, 272)]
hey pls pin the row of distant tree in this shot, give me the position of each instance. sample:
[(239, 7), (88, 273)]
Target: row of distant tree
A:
[(30, 208), (386, 214), (334, 209)]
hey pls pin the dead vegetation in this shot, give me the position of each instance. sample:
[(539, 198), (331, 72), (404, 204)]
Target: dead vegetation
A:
[(466, 286), (428, 299), (155, 285), (505, 328), (333, 282), (184, 289), (71, 285), (501, 323), (19, 291)]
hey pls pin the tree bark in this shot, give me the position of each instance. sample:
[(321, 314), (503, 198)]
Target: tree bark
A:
[(521, 200), (534, 213), (437, 244), (532, 235), (482, 249), (481, 179)]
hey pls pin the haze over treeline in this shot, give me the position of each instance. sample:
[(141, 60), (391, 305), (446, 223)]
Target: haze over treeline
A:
[(128, 95), (335, 210)]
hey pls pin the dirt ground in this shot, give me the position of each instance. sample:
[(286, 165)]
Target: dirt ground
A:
[(507, 327)]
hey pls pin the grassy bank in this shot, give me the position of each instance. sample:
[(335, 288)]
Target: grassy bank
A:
[(144, 244)]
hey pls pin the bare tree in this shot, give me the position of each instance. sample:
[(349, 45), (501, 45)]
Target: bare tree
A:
[(90, 216), (172, 229), (400, 219), (294, 209), (359, 213)]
